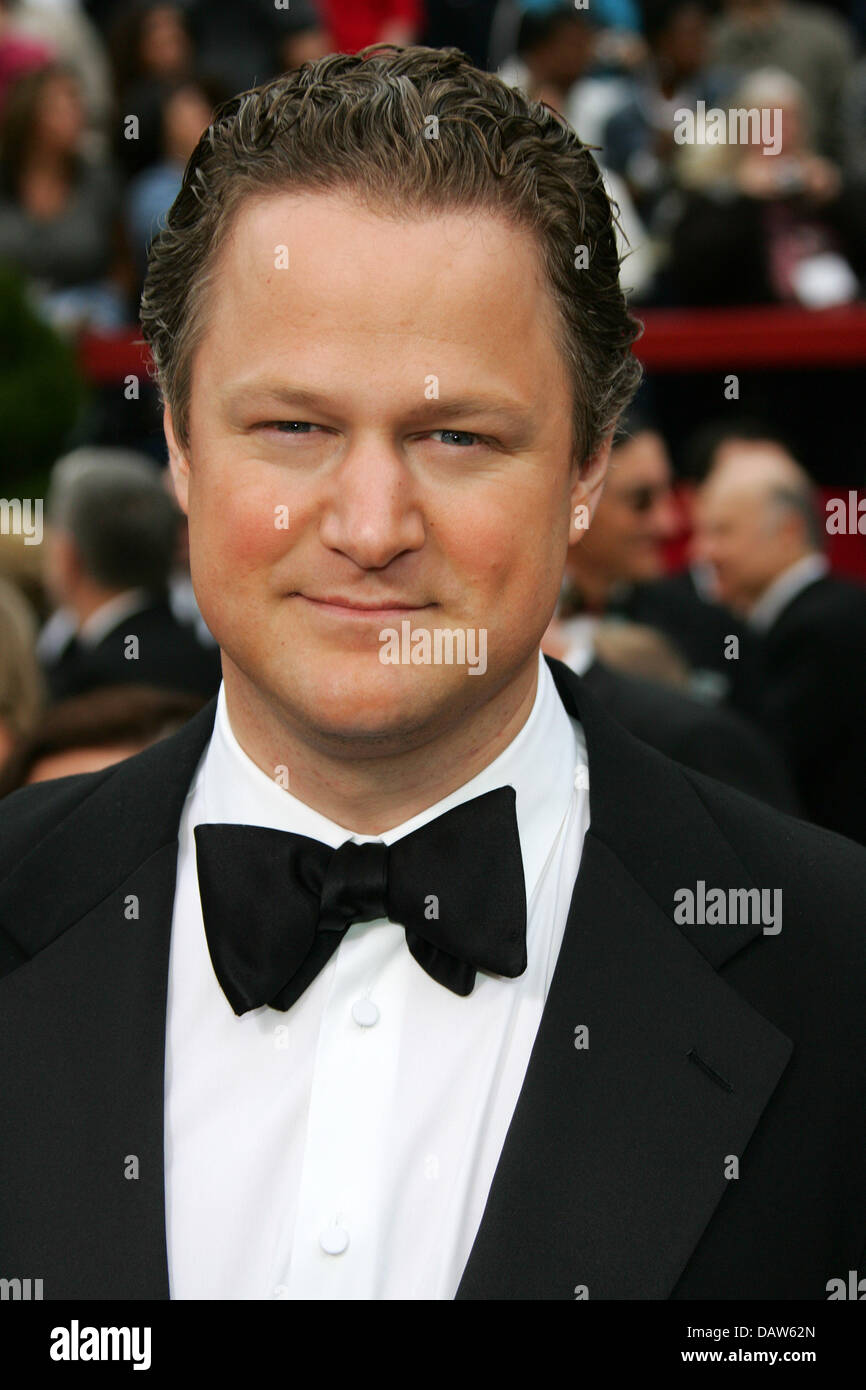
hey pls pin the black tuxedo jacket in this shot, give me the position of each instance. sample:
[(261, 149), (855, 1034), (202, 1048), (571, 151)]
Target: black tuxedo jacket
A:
[(698, 626), (708, 737), (706, 1044), (170, 657), (814, 699)]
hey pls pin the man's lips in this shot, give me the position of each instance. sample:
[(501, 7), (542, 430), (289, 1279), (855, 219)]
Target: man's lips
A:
[(347, 607)]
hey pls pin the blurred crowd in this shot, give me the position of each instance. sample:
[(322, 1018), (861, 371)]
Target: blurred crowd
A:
[(748, 659), (102, 101)]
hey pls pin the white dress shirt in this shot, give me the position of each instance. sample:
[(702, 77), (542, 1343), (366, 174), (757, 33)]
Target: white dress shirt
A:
[(345, 1149), (578, 633)]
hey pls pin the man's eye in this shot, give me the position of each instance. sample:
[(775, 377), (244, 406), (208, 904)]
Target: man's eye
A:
[(460, 435), (289, 426), (461, 439)]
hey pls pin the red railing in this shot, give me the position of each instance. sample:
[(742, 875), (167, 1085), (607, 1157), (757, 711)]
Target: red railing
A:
[(697, 340), (673, 340)]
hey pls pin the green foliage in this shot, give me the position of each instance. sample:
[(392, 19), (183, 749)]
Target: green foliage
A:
[(41, 391)]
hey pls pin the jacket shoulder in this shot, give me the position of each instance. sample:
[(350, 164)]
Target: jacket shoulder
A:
[(134, 804), (832, 600), (823, 874), (29, 815)]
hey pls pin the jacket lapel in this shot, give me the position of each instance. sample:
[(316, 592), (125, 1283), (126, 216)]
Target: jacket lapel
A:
[(615, 1159)]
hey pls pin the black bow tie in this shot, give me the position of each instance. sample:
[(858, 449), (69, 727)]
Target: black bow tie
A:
[(277, 905)]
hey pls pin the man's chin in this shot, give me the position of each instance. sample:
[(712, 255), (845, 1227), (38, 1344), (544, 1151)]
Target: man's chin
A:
[(375, 708)]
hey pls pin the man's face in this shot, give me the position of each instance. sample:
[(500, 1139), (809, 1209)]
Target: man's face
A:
[(567, 54), (637, 513), (61, 115), (374, 490), (735, 536), (59, 567), (683, 44)]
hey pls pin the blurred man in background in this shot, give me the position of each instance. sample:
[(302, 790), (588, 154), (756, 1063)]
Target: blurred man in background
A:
[(113, 530), (637, 516), (625, 547), (624, 570), (759, 528)]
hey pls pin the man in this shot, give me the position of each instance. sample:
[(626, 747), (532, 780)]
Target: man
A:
[(333, 994), (759, 528), (681, 604), (555, 52), (638, 515), (638, 137), (111, 545), (609, 571)]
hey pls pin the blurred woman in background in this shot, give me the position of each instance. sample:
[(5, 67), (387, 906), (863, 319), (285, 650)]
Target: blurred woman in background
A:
[(59, 210), (151, 50)]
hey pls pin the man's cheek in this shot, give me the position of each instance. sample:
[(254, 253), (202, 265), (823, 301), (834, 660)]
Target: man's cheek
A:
[(241, 539), (521, 568)]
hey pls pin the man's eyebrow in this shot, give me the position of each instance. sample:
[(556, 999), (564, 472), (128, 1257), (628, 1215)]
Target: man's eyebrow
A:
[(455, 407)]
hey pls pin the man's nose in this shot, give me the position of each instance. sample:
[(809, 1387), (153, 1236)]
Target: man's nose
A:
[(373, 513)]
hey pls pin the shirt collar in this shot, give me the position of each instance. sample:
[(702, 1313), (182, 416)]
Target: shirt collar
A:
[(540, 763), (579, 635), (110, 613), (785, 588)]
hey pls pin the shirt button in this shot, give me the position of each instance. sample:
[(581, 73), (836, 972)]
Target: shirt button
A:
[(281, 1291), (365, 1013), (334, 1240)]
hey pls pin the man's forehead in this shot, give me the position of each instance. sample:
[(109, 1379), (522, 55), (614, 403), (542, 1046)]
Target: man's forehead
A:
[(337, 231), (642, 458), (749, 454), (319, 282), (730, 499)]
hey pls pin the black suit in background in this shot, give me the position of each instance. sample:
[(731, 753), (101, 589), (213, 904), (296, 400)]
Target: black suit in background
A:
[(705, 737), (699, 628), (706, 1042), (814, 699), (170, 657)]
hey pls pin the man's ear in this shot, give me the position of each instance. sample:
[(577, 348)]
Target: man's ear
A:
[(587, 489), (177, 462)]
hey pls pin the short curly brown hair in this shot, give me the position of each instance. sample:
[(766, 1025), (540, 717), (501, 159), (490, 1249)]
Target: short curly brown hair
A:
[(406, 131)]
